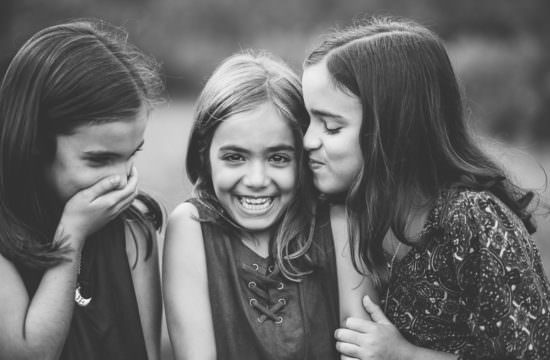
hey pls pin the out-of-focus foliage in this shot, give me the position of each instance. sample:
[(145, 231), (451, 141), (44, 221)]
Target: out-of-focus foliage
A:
[(500, 48)]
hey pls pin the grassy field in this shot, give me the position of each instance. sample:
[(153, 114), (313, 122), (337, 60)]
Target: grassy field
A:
[(162, 171)]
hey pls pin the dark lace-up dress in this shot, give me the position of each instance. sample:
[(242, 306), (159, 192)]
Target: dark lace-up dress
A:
[(109, 327), (257, 313), (476, 287)]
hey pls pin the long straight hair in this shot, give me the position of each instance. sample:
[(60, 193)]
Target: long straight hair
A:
[(64, 76), (241, 83), (414, 137)]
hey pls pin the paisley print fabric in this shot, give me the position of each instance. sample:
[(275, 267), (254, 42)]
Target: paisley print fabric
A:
[(476, 287)]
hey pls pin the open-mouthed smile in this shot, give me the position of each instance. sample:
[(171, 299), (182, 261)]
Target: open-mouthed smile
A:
[(255, 204)]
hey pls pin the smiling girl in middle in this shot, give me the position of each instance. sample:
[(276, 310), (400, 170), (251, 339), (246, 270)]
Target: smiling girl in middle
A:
[(248, 272)]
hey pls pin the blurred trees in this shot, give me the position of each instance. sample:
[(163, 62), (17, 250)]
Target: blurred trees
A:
[(500, 48)]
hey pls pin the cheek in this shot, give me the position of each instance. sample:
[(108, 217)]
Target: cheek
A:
[(345, 162), (66, 182), (286, 180), (82, 177), (79, 180), (344, 148), (355, 158), (223, 178), (337, 150), (349, 166)]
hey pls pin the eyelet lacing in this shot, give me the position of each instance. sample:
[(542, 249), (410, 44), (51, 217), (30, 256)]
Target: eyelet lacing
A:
[(259, 285)]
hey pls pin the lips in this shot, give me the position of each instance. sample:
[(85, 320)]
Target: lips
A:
[(255, 204), (315, 164)]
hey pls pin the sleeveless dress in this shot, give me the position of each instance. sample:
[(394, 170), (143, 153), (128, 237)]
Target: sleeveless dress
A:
[(259, 314), (109, 327)]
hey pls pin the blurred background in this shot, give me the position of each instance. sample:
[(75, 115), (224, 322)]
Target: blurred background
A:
[(500, 50)]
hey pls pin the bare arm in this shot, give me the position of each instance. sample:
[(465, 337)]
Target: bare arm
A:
[(37, 328), (419, 353), (352, 286), (380, 339), (146, 279), (188, 313)]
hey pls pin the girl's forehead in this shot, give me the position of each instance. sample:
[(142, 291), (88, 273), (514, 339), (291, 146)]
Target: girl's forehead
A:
[(261, 126), (116, 135)]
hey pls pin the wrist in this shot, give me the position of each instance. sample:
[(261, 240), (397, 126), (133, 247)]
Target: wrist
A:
[(71, 259), (72, 239), (413, 352), (73, 253), (409, 351), (76, 244)]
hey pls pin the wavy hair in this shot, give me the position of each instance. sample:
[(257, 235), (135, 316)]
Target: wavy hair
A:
[(65, 76), (241, 83), (414, 137)]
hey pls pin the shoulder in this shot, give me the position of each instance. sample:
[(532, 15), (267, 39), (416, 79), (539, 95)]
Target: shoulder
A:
[(8, 267), (479, 208), (182, 212), (183, 224), (460, 200), (184, 217), (183, 244), (476, 222)]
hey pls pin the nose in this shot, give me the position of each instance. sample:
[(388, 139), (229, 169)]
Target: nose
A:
[(256, 176), (311, 138), (122, 168)]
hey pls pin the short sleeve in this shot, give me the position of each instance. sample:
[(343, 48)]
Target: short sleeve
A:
[(500, 275)]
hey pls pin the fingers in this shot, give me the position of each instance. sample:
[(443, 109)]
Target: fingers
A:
[(348, 350), (348, 336), (102, 187), (359, 325), (374, 311), (345, 357), (122, 198)]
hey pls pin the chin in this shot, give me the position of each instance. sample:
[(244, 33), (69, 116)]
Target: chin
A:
[(256, 226), (319, 185), (332, 187), (324, 187)]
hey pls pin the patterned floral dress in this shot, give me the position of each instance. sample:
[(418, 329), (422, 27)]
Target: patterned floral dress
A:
[(476, 287)]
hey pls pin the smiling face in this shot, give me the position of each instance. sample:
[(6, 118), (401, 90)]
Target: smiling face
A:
[(253, 167), (332, 138), (93, 152)]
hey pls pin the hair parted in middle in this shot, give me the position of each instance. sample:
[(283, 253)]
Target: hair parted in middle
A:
[(242, 83), (414, 137)]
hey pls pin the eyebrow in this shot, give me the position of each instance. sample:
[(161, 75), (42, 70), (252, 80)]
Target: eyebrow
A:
[(324, 113), (110, 153), (275, 148)]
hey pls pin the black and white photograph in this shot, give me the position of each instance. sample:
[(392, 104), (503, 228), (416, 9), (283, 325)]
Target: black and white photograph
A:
[(274, 180)]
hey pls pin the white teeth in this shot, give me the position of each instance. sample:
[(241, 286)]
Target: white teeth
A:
[(255, 201), (255, 204)]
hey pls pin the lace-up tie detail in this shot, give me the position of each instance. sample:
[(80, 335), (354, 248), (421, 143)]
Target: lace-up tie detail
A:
[(265, 291)]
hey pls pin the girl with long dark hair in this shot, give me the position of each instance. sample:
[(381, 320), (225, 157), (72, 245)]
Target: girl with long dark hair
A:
[(77, 242), (442, 230)]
